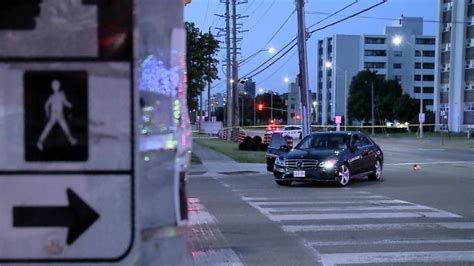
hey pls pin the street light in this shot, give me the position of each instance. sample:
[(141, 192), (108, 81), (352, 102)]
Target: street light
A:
[(270, 50), (286, 80), (329, 65), (397, 40), (245, 93)]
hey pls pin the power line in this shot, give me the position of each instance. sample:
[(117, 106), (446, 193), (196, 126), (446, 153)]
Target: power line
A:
[(205, 17), (246, 60), (388, 19), (262, 16), (333, 14), (252, 74), (278, 69), (348, 17)]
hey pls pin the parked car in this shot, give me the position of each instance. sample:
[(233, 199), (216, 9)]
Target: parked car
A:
[(292, 131), (325, 156)]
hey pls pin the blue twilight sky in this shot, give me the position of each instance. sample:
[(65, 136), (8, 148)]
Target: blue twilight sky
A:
[(266, 16)]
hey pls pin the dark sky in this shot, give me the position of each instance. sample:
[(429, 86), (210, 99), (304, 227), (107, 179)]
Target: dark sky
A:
[(266, 16)]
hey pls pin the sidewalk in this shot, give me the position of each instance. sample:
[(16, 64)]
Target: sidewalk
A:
[(217, 164)]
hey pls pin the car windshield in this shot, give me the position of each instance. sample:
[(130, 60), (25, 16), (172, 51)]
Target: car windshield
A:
[(324, 141)]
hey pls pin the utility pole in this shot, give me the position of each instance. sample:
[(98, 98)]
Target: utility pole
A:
[(229, 101), (209, 91), (235, 66), (305, 99), (421, 115)]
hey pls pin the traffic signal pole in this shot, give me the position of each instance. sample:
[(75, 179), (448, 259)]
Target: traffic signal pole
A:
[(303, 65)]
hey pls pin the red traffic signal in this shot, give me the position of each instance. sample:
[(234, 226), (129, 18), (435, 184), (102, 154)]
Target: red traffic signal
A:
[(260, 107)]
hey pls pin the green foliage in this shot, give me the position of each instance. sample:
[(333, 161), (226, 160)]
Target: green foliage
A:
[(359, 104), (201, 64), (389, 100), (405, 109)]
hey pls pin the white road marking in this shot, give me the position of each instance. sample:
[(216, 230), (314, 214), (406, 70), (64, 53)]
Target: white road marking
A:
[(198, 213), (346, 208), (318, 197), (367, 215), (391, 242), (332, 202), (221, 256), (396, 257), (374, 227)]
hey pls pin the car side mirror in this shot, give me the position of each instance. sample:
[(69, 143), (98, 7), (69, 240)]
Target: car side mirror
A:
[(354, 148), (284, 148)]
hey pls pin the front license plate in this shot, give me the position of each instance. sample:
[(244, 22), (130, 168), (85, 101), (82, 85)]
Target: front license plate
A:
[(299, 173)]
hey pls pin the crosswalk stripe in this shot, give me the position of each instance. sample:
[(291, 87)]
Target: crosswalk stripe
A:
[(346, 208), (317, 197), (396, 257), (389, 242), (388, 226), (332, 202), (366, 215)]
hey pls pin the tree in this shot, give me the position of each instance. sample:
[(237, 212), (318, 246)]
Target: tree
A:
[(388, 94), (405, 109), (201, 64), (359, 103)]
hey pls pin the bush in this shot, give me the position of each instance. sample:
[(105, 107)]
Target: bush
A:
[(255, 146), (263, 146)]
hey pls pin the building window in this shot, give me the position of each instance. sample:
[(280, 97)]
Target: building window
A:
[(292, 106), (425, 77), (469, 106), (425, 41), (425, 90), (397, 53), (372, 40), (425, 65), (425, 53), (375, 53), (371, 65), (397, 78), (397, 66)]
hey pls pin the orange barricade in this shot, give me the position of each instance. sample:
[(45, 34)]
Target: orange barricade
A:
[(267, 137), (240, 135)]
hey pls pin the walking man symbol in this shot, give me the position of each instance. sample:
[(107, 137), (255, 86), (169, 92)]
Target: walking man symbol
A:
[(54, 108)]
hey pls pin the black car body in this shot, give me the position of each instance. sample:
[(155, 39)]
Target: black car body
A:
[(325, 156)]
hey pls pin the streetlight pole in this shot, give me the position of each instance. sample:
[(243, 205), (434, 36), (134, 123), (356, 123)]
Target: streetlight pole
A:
[(421, 97), (330, 65), (254, 112), (373, 120), (345, 99), (397, 40)]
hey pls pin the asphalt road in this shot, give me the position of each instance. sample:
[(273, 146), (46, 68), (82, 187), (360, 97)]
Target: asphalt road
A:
[(410, 217)]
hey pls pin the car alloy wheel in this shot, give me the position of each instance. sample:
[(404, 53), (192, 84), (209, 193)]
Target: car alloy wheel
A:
[(344, 175), (377, 174)]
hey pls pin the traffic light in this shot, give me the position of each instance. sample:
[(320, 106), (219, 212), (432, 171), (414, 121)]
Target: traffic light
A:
[(260, 107)]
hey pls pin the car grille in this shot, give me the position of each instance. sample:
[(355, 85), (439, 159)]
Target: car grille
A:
[(301, 164)]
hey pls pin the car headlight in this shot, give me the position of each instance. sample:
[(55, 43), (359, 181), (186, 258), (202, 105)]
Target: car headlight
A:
[(279, 162), (328, 164)]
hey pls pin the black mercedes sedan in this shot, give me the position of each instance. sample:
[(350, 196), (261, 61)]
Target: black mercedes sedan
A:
[(326, 156)]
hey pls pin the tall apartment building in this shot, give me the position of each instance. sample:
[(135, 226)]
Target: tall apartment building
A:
[(454, 97), (408, 62)]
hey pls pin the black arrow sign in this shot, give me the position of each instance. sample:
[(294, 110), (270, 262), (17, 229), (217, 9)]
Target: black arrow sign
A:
[(77, 217)]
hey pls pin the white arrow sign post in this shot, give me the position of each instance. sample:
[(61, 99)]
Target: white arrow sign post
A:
[(67, 177)]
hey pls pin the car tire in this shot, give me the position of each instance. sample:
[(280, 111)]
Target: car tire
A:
[(377, 174), (344, 176), (285, 183)]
